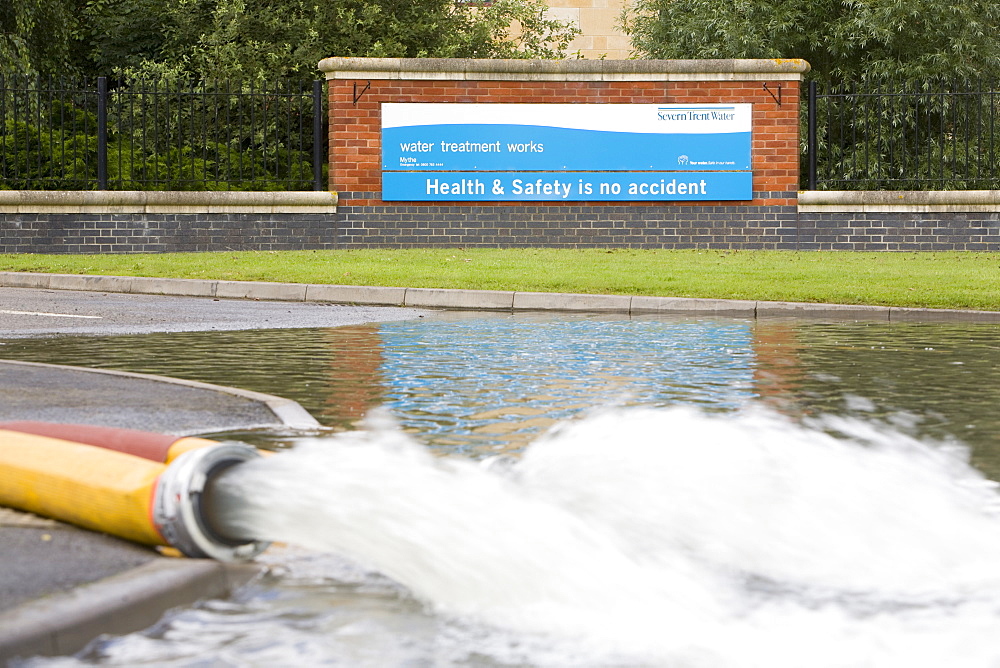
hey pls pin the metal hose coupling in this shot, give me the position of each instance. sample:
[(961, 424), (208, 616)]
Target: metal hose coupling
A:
[(179, 513)]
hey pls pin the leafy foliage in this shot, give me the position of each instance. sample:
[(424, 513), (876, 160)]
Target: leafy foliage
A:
[(851, 40), (886, 61), (169, 136), (30, 152), (265, 39), (37, 36), (122, 34), (219, 134), (227, 38), (940, 134)]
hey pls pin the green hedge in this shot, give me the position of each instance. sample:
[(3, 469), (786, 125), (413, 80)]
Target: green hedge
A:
[(175, 137)]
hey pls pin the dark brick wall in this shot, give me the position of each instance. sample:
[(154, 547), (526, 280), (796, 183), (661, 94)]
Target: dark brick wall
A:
[(775, 227), (583, 226), (769, 227), (159, 233), (968, 231)]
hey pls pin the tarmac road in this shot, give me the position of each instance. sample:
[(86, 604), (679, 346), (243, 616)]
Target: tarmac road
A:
[(29, 312)]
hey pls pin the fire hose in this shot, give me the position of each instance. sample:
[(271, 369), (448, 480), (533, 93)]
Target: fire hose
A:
[(144, 487)]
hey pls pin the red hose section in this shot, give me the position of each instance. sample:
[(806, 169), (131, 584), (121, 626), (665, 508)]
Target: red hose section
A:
[(147, 445)]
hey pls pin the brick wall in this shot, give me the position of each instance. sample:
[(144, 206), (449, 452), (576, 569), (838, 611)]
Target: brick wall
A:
[(778, 217), (156, 222), (900, 231), (723, 227), (162, 233), (944, 220), (355, 108), (359, 86)]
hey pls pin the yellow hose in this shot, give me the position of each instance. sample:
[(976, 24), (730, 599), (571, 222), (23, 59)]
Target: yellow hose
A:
[(135, 485), (186, 444), (89, 486)]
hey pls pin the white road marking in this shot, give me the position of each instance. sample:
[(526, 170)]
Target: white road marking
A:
[(49, 315)]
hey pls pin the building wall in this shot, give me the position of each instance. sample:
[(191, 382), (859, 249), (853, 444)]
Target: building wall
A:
[(598, 20)]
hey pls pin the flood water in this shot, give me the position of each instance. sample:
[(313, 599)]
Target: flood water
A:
[(537, 490)]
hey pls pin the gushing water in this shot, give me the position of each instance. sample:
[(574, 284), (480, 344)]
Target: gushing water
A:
[(664, 537)]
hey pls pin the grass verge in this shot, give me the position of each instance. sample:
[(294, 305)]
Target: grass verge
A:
[(963, 280)]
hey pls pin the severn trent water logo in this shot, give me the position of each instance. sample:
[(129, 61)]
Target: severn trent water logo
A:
[(683, 160), (696, 113)]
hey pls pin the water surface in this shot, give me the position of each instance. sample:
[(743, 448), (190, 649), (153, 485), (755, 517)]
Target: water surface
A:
[(537, 490), (477, 383)]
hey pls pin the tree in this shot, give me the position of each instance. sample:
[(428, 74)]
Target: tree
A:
[(841, 39), (264, 39), (179, 66), (36, 36), (926, 53), (268, 39), (123, 33)]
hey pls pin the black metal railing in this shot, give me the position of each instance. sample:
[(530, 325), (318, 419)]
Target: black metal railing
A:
[(110, 134), (932, 135), (207, 135)]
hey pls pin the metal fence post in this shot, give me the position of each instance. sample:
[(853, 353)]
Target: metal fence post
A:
[(319, 141), (102, 133), (811, 139)]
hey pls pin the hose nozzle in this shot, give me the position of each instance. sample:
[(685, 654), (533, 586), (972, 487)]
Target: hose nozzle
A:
[(179, 511)]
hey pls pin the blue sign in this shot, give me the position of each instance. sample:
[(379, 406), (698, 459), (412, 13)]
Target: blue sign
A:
[(565, 186), (565, 137), (569, 152)]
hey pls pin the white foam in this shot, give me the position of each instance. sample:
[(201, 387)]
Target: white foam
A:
[(665, 537)]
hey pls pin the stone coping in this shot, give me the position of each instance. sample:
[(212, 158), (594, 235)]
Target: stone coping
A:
[(137, 201), (485, 300), (466, 69), (902, 201)]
